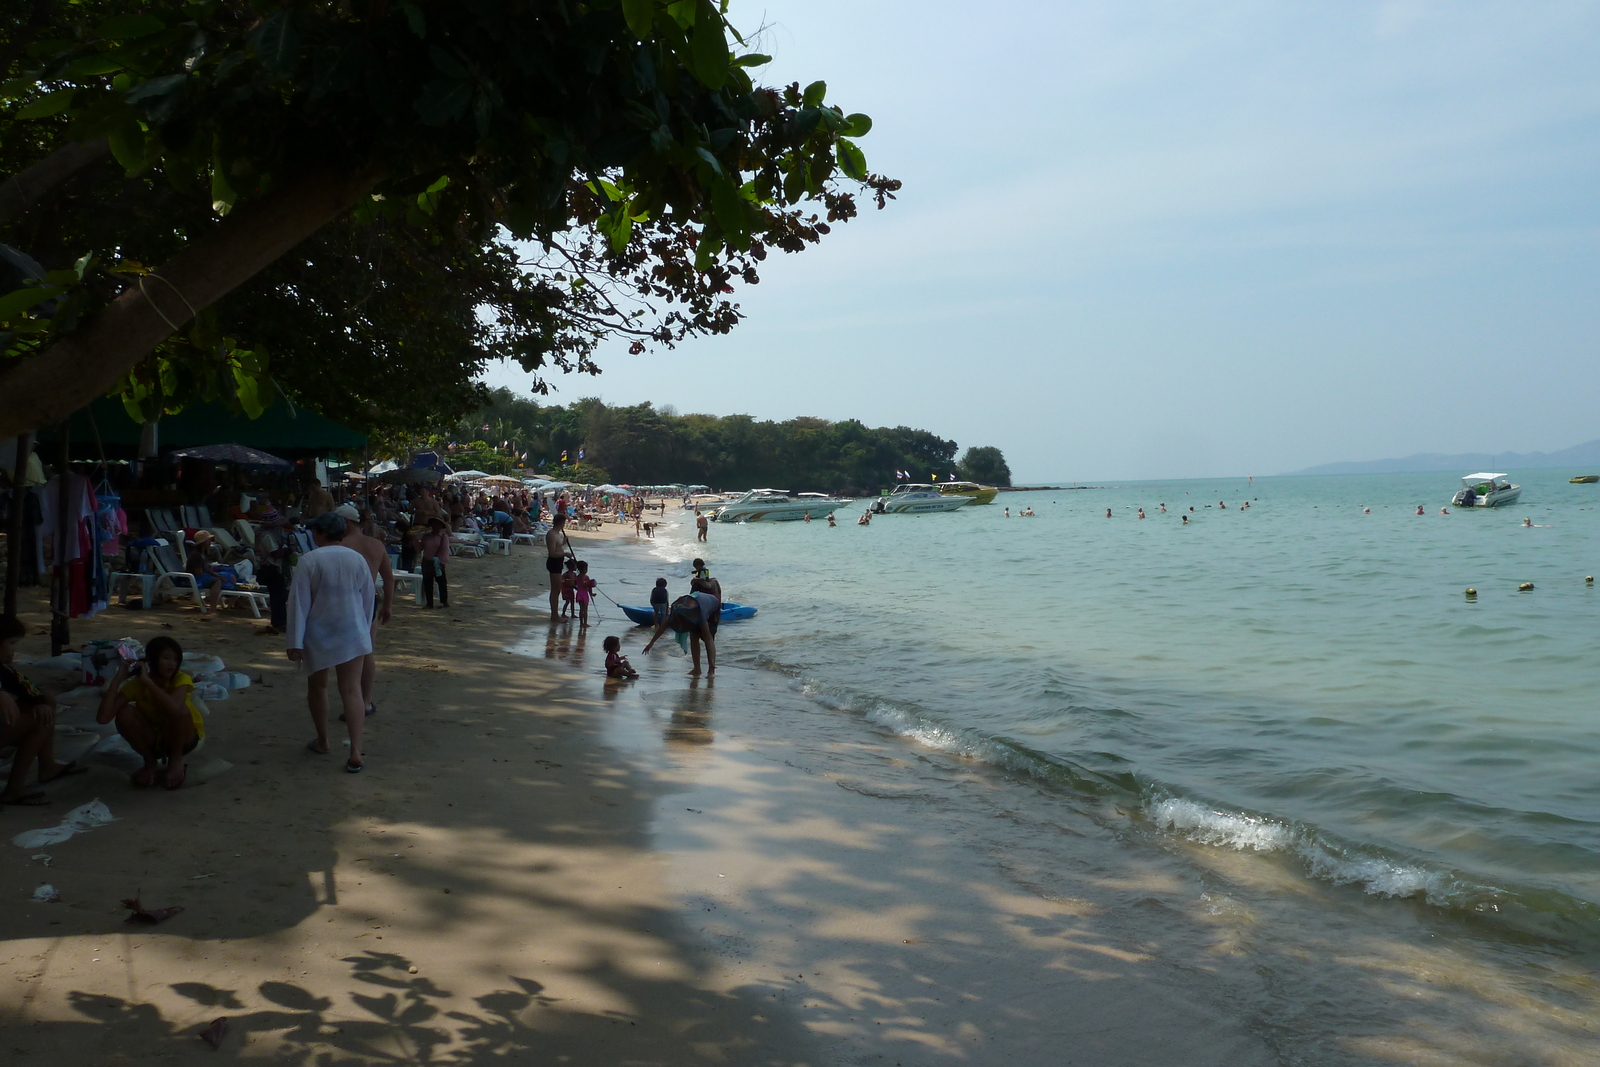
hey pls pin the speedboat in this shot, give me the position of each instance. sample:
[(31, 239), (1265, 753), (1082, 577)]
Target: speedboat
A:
[(914, 498), (1485, 490), (980, 494), (1585, 479), (776, 505)]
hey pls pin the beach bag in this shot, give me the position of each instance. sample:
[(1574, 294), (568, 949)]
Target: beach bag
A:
[(684, 614), (229, 576)]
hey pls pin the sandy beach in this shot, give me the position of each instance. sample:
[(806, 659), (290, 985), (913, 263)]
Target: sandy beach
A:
[(539, 866)]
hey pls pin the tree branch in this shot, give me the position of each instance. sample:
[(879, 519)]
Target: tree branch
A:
[(84, 365), (22, 191)]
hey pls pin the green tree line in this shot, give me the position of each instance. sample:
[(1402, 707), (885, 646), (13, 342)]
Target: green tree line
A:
[(645, 445)]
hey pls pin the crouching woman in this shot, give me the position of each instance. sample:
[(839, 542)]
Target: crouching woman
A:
[(153, 706)]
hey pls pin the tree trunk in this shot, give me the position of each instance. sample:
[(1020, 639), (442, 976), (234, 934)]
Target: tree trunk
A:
[(20, 191), (84, 365)]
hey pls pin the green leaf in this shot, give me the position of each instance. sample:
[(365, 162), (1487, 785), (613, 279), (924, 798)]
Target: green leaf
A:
[(122, 27), (48, 104), (641, 17), (716, 164), (15, 303), (729, 208), (442, 100), (154, 87), (276, 43), (90, 66), (708, 46), (814, 93), (683, 12), (419, 27), (248, 389), (857, 125), (852, 160), (752, 59), (128, 147)]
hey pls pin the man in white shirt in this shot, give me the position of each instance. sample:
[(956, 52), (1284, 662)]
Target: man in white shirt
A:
[(330, 613)]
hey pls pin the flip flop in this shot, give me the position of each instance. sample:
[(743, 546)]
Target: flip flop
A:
[(311, 746), (68, 769), (29, 800), (354, 768)]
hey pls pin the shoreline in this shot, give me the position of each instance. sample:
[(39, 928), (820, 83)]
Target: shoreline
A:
[(670, 871)]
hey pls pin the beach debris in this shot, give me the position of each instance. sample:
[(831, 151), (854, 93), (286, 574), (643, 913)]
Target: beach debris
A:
[(42, 857), (1525, 586), (46, 894), (84, 817), (149, 916), (213, 1034)]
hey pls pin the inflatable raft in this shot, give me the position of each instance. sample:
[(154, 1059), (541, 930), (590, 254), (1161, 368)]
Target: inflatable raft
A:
[(647, 617)]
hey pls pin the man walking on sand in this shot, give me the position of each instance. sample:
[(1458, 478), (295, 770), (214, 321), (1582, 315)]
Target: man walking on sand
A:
[(376, 553), (556, 547), (330, 618)]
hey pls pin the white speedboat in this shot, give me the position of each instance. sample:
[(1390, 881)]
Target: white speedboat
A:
[(1486, 491), (776, 505), (914, 498)]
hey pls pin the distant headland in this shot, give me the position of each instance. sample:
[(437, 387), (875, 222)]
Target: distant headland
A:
[(1584, 455)]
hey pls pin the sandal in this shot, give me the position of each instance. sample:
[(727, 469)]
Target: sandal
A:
[(353, 768), (311, 746)]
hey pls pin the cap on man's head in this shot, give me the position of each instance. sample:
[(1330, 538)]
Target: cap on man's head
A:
[(348, 511), (328, 525)]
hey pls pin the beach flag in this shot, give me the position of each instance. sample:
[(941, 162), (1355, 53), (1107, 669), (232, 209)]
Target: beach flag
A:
[(563, 455), (580, 453)]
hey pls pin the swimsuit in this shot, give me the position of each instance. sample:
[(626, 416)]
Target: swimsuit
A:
[(554, 564)]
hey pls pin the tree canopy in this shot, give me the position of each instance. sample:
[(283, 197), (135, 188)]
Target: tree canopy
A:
[(335, 194), (985, 464), (646, 445)]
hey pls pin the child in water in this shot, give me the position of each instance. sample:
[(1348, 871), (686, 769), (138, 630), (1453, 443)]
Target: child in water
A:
[(659, 600), (617, 665), (583, 592), (569, 588)]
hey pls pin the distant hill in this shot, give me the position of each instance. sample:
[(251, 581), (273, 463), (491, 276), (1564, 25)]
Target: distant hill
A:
[(1584, 455)]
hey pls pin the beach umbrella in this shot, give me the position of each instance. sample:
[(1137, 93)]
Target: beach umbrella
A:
[(502, 479), (469, 476), (614, 490), (237, 455)]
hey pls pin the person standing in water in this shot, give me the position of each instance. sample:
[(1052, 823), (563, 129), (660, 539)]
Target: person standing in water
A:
[(701, 525), (555, 548)]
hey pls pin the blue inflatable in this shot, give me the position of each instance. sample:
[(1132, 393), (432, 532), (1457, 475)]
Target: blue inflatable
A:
[(730, 613)]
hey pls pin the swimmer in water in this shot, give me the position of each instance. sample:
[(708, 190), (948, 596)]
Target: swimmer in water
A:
[(1141, 513), (1366, 511), (1527, 522), (1186, 520), (1163, 509), (1419, 509), (1108, 513), (1028, 514), (1444, 511), (1008, 513)]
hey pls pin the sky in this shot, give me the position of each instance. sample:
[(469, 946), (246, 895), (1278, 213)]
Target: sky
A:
[(1166, 240)]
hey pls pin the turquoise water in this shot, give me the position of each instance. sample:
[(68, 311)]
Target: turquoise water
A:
[(1300, 678)]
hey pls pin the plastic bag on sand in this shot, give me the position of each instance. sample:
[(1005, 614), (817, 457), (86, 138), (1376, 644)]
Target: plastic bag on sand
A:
[(67, 661), (46, 894), (84, 817), (114, 751), (194, 664)]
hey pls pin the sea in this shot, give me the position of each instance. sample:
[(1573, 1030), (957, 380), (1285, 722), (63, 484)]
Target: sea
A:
[(1393, 716)]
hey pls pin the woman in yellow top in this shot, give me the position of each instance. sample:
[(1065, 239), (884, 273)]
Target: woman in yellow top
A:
[(154, 710)]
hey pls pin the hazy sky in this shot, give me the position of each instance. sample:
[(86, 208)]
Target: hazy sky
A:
[(1185, 239)]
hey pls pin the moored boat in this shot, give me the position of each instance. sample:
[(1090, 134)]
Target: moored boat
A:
[(1484, 490), (776, 505), (916, 498), (980, 494), (1585, 479)]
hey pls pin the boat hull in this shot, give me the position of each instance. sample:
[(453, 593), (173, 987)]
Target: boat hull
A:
[(647, 617), (779, 514), (920, 506), (1497, 499), (1585, 479), (985, 495)]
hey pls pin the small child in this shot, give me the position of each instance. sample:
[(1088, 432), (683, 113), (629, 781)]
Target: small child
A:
[(659, 600), (569, 588), (617, 665), (583, 592)]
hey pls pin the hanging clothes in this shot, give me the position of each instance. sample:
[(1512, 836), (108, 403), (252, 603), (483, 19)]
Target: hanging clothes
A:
[(73, 547)]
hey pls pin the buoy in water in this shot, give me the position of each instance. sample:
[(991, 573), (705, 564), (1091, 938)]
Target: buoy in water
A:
[(1525, 586), (1589, 578), (1471, 591)]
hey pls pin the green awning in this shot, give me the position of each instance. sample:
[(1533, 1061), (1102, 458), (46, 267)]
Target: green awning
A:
[(279, 429)]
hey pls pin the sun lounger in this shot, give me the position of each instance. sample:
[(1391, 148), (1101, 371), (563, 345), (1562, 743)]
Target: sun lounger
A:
[(524, 539), (171, 579)]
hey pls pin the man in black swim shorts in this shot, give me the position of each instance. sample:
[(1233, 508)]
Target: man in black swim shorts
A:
[(556, 547)]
